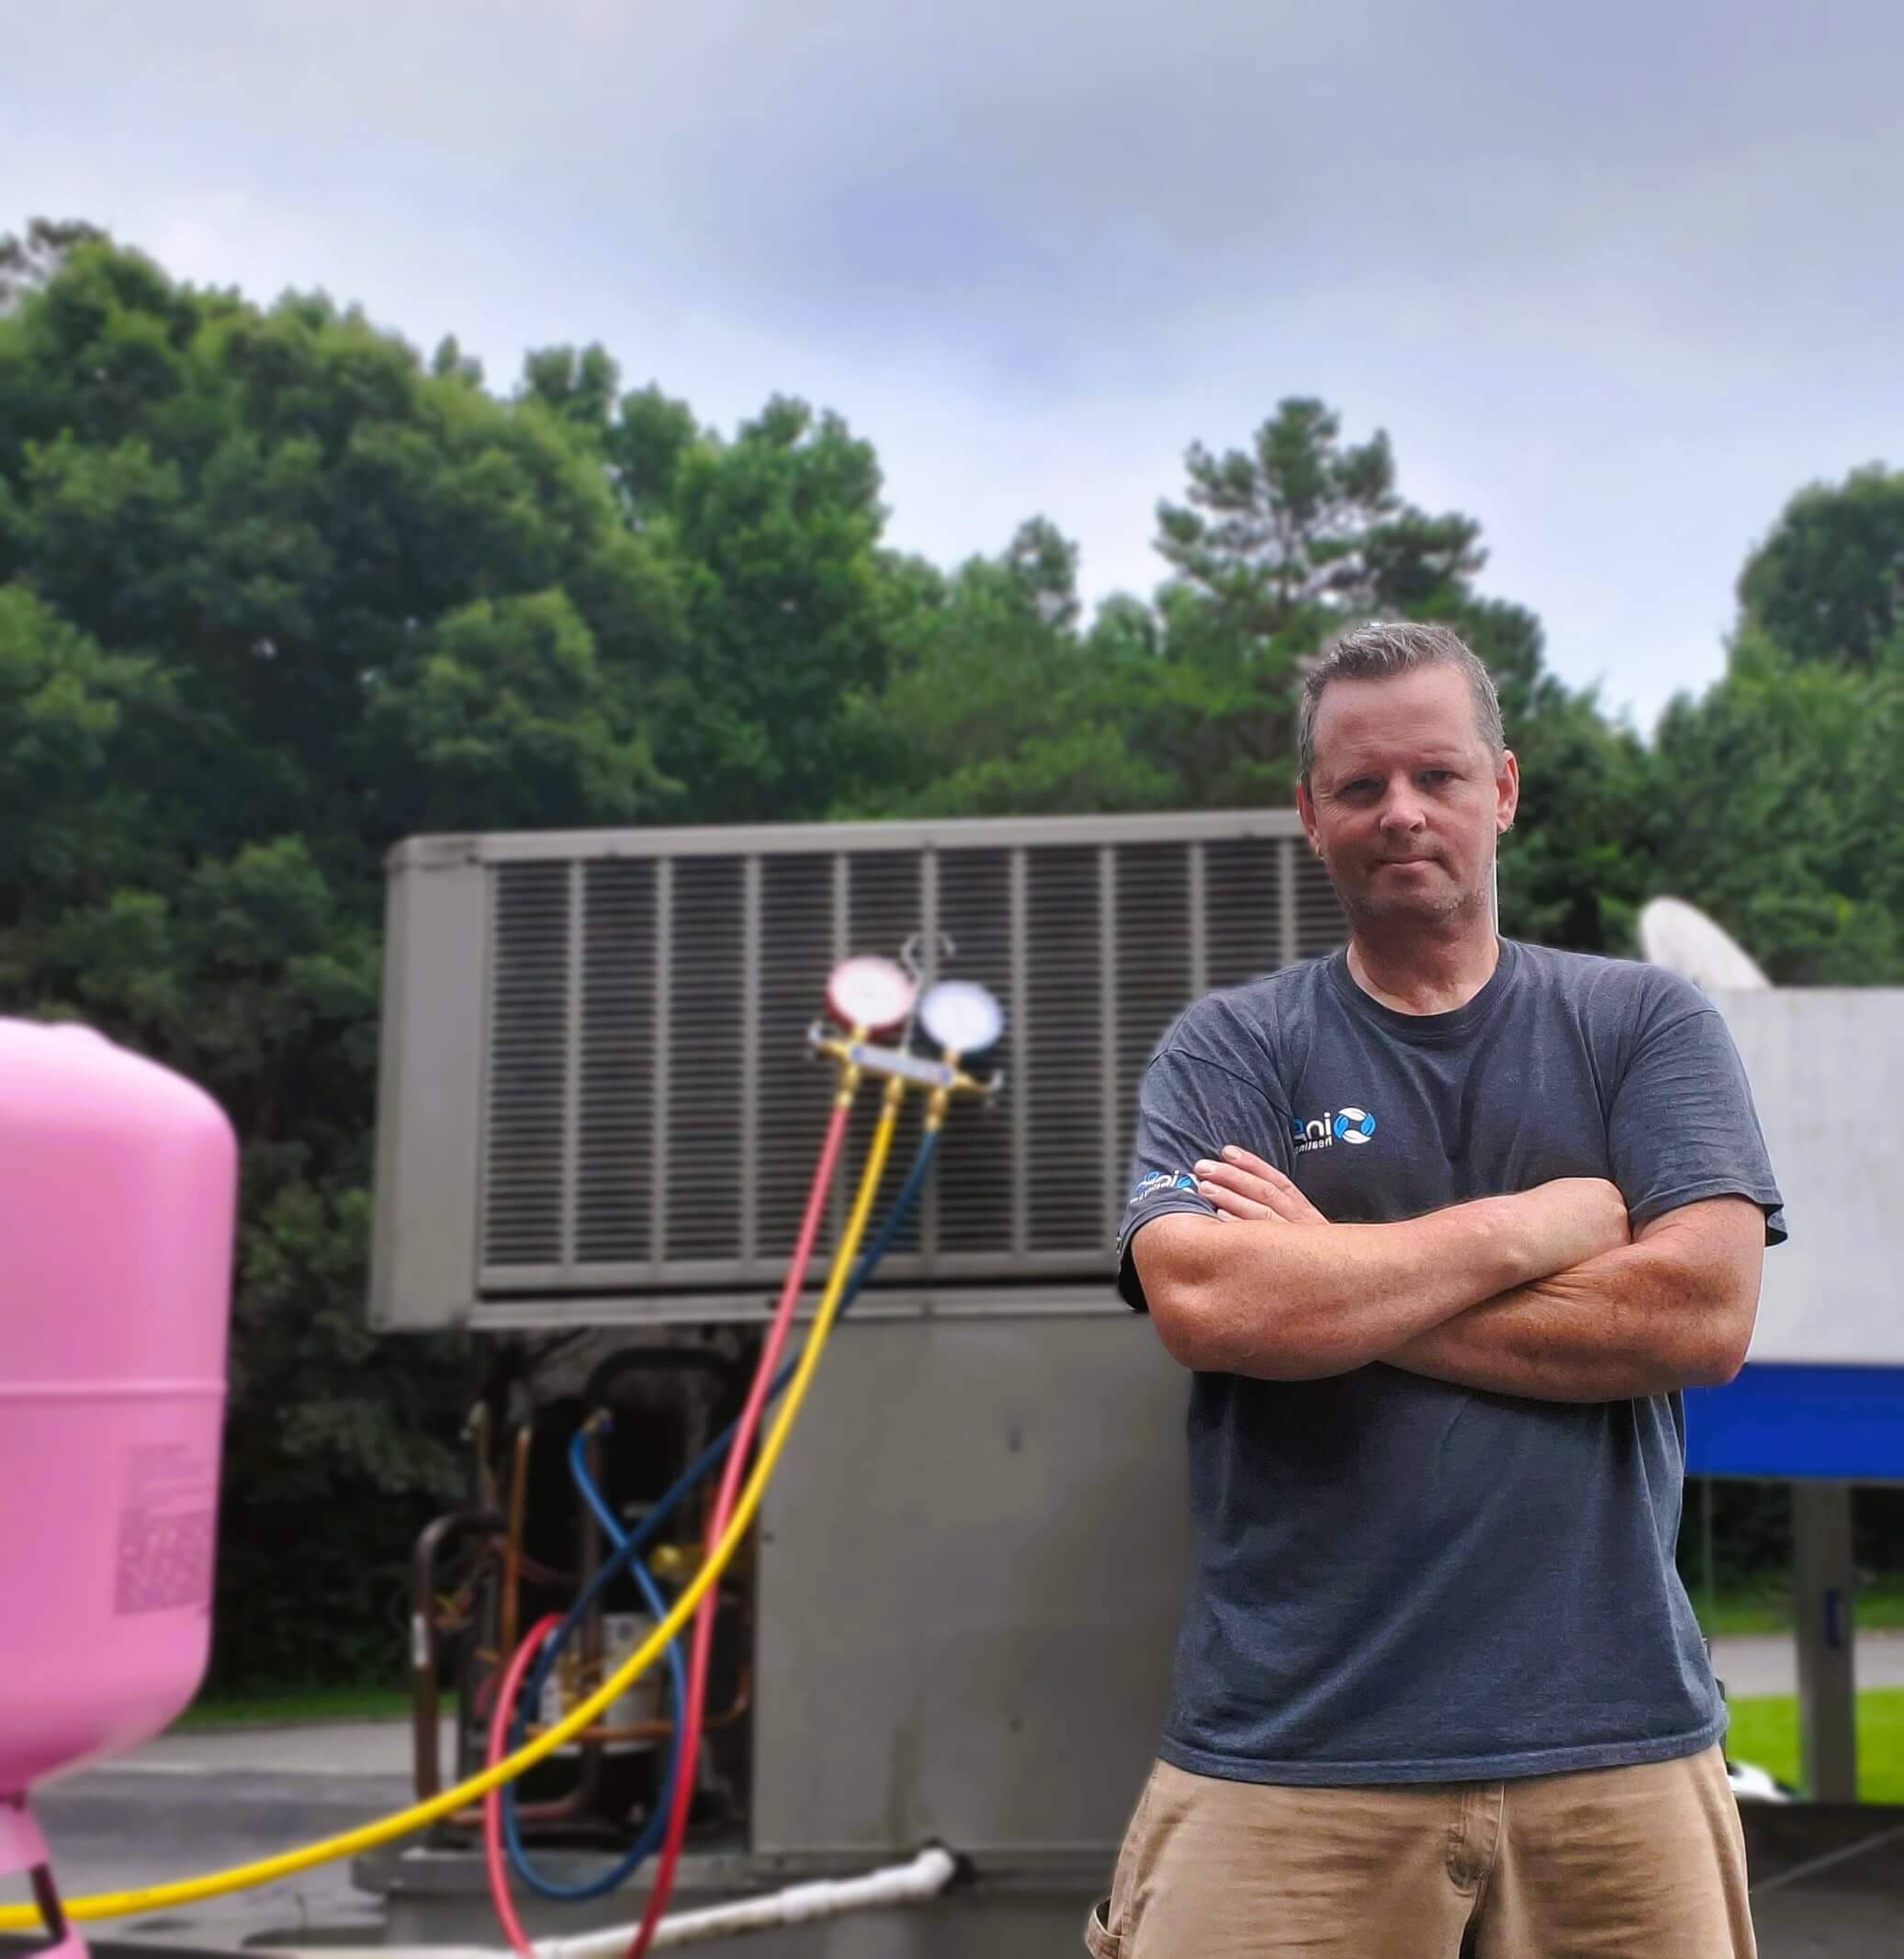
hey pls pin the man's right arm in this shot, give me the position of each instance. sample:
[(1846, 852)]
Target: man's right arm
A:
[(1282, 1303)]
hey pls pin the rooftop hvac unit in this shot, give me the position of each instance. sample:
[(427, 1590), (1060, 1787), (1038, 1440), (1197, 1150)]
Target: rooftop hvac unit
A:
[(597, 1104)]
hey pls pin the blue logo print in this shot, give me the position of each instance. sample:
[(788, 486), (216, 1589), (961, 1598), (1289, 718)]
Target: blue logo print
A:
[(1161, 1180), (1354, 1126)]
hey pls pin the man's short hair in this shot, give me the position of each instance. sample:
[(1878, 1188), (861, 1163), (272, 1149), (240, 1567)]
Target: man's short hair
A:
[(1383, 649)]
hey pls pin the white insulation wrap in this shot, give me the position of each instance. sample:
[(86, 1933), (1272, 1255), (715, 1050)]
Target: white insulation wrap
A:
[(901, 1883)]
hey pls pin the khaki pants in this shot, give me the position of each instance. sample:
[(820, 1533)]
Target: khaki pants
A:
[(1645, 1862)]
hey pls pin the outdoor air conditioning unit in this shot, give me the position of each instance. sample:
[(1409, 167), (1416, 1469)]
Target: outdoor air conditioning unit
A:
[(597, 1105)]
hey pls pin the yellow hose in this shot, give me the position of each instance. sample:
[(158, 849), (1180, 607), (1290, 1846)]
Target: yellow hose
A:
[(268, 1870)]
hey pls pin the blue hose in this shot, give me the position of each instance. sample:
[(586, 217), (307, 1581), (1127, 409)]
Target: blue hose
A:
[(630, 1861), (626, 1555)]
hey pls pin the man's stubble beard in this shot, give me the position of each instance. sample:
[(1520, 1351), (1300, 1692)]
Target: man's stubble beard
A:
[(1396, 921)]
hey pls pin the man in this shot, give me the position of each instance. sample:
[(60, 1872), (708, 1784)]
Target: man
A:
[(1443, 1224)]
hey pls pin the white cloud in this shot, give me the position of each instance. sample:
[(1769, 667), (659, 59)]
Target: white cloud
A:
[(1617, 280)]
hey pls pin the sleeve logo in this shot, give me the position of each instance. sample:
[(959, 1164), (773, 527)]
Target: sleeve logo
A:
[(1156, 1180)]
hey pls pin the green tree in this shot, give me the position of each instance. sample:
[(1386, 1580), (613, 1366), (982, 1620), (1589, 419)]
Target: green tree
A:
[(995, 705), (1574, 871), (1775, 809), (645, 447), (582, 389), (27, 262), (779, 530), (273, 594), (1278, 545), (1301, 525), (1828, 584)]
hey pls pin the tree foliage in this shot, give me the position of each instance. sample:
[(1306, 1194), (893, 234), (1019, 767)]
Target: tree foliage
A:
[(275, 593), (1778, 808), (1827, 585), (271, 596)]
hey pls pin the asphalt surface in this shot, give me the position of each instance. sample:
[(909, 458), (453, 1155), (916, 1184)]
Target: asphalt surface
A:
[(115, 1828), (1769, 1665), (187, 1804), (1826, 1887)]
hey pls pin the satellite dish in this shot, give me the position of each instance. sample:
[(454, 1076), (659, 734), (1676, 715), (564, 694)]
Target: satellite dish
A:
[(1680, 938)]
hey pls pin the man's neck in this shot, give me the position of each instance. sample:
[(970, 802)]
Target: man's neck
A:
[(1426, 976)]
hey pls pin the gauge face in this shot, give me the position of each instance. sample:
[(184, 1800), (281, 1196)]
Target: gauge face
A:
[(963, 1016), (869, 992)]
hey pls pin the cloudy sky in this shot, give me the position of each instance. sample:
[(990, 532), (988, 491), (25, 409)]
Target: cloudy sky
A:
[(1615, 278)]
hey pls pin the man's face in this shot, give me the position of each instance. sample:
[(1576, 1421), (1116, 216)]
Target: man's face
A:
[(1404, 799)]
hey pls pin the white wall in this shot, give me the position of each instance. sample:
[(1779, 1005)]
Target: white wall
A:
[(1827, 1071)]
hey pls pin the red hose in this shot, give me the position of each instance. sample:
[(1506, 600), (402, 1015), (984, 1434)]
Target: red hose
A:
[(731, 1476), (492, 1803)]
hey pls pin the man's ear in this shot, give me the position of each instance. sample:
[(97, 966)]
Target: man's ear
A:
[(1507, 791), (1305, 808)]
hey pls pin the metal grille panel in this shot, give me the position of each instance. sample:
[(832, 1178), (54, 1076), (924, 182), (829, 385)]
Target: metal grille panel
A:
[(796, 1091), (1319, 922), (651, 1114), (701, 1175), (970, 1197), (1243, 900), (614, 1169), (528, 1073), (1064, 1037), (1153, 976), (883, 913)]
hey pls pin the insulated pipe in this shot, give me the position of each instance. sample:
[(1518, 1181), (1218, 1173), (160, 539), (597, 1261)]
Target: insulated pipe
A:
[(513, 1547), (483, 1492), (916, 1882), (499, 1814), (428, 1766), (589, 1561), (904, 1883), (519, 1664), (425, 1656)]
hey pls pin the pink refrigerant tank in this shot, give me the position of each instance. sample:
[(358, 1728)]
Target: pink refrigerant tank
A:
[(117, 1188)]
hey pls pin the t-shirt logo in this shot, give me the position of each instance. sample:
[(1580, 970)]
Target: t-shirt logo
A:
[(1161, 1180), (1333, 1126)]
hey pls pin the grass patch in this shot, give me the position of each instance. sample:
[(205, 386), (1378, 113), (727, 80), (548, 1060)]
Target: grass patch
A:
[(317, 1703), (1880, 1607), (1764, 1733)]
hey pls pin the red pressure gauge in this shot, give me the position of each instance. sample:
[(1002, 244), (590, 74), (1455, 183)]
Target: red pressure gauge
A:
[(870, 994)]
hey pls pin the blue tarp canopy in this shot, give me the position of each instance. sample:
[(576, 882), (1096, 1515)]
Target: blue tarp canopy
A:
[(1835, 1424)]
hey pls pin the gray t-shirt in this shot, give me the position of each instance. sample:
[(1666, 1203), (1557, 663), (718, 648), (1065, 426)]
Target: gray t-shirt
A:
[(1397, 1579)]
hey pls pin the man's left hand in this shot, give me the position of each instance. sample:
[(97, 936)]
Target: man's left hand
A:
[(1242, 1186)]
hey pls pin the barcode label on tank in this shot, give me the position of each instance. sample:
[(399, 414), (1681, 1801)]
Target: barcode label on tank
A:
[(167, 1530)]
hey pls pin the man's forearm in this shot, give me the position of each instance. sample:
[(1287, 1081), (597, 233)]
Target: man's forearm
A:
[(1284, 1303), (1636, 1322)]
